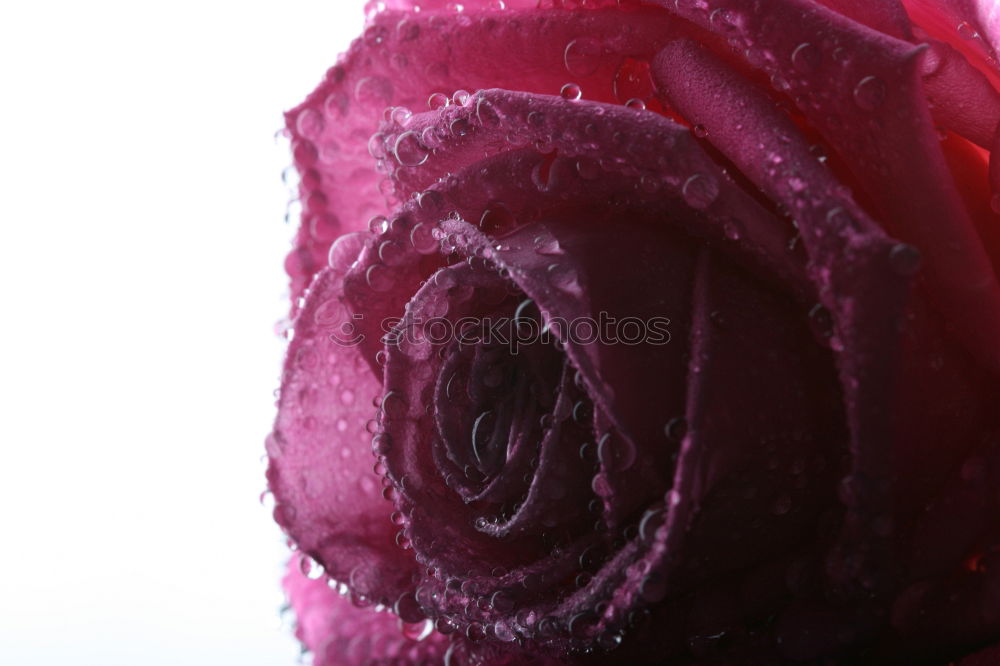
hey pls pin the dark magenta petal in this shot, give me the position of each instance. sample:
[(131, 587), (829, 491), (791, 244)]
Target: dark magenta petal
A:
[(850, 256), (604, 147), (731, 502), (590, 278), (986, 657), (339, 633), (888, 16), (329, 499), (864, 96)]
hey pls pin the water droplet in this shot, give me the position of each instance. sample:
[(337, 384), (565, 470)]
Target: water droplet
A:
[(599, 484), (608, 640), (583, 56), (309, 123), (726, 20), (571, 91), (700, 191), (651, 521), (373, 91), (460, 97), (486, 114), (400, 115), (616, 453), (806, 57), (419, 631), (636, 104), (904, 259), (422, 238), (378, 225), (700, 131), (482, 429), (967, 31), (407, 608), (379, 278), (869, 93), (408, 150), (437, 101), (475, 632), (407, 30), (381, 444), (460, 127), (503, 632), (653, 587), (345, 250), (497, 217), (376, 146), (375, 35), (588, 169), (676, 428)]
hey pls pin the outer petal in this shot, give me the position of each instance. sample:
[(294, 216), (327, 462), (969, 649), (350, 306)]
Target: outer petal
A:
[(329, 499), (401, 60), (338, 633), (861, 90)]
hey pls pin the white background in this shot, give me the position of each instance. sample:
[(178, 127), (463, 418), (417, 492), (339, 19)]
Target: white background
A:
[(141, 241)]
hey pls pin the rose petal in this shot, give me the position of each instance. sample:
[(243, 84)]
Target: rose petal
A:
[(338, 633), (888, 16), (871, 108), (400, 61), (971, 25), (629, 146), (328, 497), (961, 97), (987, 657)]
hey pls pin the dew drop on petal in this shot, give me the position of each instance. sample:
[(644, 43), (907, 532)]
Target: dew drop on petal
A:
[(805, 57), (675, 429), (967, 31), (503, 632), (378, 224), (699, 191), (486, 114), (460, 127), (345, 250), (437, 101), (422, 238), (309, 123), (583, 56), (379, 278), (373, 91), (869, 93), (408, 150), (570, 91), (616, 454)]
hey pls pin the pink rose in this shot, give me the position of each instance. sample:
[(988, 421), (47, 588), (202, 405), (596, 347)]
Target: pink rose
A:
[(675, 340)]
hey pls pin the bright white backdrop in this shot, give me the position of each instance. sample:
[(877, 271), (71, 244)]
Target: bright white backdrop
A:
[(141, 241)]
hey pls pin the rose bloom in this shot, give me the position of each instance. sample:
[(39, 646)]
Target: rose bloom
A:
[(782, 444)]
